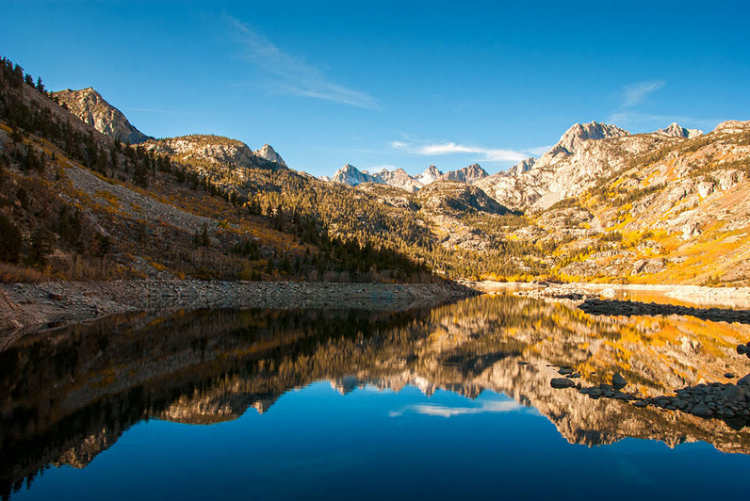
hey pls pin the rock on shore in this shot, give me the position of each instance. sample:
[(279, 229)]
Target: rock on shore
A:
[(29, 305)]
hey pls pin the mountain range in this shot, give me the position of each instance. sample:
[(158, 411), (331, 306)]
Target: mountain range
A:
[(601, 204)]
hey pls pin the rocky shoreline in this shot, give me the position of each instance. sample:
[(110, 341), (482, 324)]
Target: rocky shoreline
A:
[(32, 305), (728, 297), (727, 401), (594, 306)]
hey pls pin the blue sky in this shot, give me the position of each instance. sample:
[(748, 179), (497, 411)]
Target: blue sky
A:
[(392, 83)]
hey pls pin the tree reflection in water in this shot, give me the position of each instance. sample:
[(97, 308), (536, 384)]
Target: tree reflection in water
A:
[(68, 394)]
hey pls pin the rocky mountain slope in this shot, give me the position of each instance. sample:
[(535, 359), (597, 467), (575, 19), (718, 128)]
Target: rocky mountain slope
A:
[(88, 105), (80, 205), (601, 205)]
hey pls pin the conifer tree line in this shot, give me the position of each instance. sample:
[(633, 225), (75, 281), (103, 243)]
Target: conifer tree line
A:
[(47, 223)]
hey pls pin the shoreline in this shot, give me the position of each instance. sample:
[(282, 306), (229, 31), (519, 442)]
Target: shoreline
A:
[(28, 306), (730, 297)]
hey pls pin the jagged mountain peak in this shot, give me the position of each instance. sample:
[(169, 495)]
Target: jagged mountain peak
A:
[(675, 130), (429, 175), (89, 106), (351, 176), (268, 153), (469, 174), (572, 139), (521, 167)]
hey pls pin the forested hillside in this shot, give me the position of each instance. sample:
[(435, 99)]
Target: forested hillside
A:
[(76, 203)]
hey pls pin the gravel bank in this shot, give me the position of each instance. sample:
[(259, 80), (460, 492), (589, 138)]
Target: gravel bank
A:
[(30, 305)]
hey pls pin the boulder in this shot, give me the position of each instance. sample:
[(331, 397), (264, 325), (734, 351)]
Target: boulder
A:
[(562, 382)]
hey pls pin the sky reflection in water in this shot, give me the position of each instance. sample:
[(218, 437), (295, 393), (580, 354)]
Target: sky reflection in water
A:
[(375, 435)]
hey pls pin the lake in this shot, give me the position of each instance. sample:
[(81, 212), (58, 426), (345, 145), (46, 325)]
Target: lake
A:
[(450, 402)]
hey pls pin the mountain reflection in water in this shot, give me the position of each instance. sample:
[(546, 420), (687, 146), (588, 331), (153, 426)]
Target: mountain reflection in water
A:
[(68, 394)]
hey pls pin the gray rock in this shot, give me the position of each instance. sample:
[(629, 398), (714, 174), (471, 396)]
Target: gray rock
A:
[(734, 394), (729, 375), (702, 410), (562, 382), (565, 371), (745, 381), (618, 382)]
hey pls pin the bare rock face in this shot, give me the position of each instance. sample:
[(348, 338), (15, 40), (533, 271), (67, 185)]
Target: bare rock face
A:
[(583, 155), (351, 176), (470, 174), (521, 167), (206, 148), (429, 175), (733, 127), (88, 105), (574, 138), (674, 130), (399, 178), (448, 197), (268, 153)]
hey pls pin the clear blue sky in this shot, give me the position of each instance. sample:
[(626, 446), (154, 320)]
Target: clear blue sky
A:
[(402, 83)]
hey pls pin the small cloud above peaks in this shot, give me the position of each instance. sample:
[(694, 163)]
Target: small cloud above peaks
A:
[(450, 148), (636, 93)]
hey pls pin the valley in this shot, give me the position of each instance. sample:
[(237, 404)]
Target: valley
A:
[(93, 198)]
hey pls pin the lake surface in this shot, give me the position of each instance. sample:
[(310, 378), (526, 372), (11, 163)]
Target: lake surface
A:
[(453, 402)]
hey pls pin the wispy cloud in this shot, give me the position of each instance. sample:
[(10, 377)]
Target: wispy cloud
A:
[(447, 412), (636, 93), (162, 111), (292, 74), (538, 151), (450, 148)]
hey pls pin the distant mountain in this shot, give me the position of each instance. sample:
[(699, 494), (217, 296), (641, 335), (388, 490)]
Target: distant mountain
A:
[(675, 130), (574, 137), (470, 174), (581, 156), (88, 105), (399, 178), (429, 175), (267, 152), (351, 176)]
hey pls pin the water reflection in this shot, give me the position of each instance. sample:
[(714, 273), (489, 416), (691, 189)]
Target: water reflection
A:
[(66, 395)]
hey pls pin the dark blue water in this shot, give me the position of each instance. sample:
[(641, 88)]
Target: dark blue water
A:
[(339, 422)]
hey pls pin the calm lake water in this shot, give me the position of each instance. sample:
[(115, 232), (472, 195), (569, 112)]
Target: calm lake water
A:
[(453, 402)]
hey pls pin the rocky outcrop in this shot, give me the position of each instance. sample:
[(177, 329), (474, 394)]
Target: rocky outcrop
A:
[(429, 175), (572, 140), (351, 176), (268, 153), (399, 178), (584, 155), (470, 174), (206, 148), (675, 130), (732, 127), (457, 198), (88, 105)]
